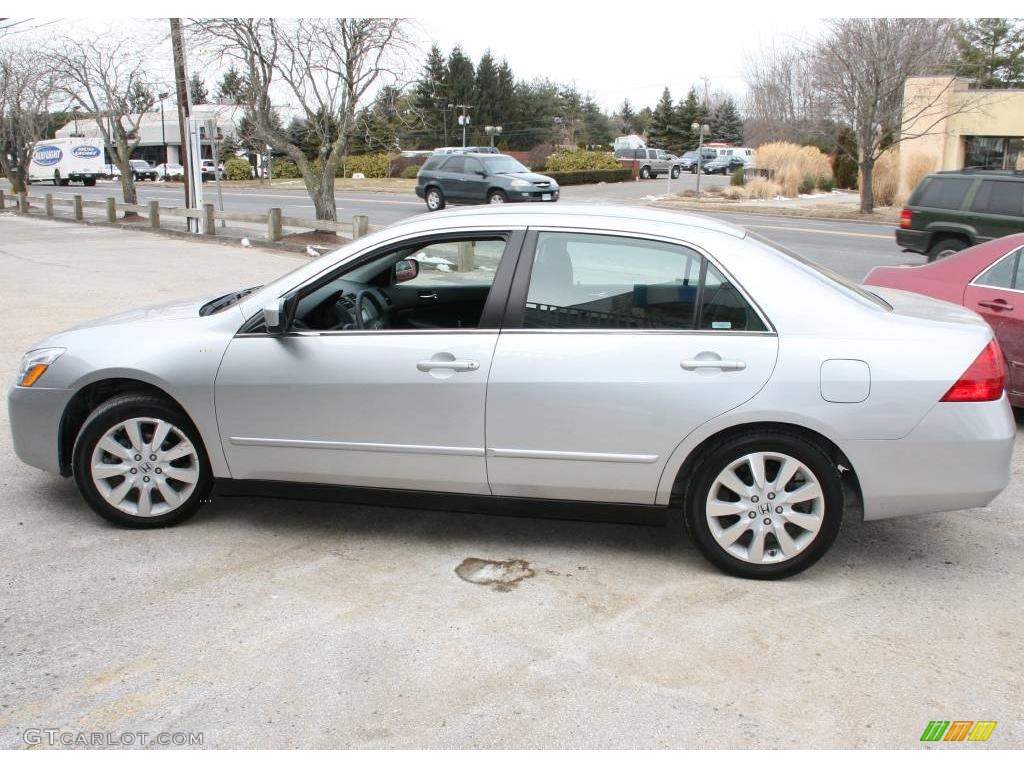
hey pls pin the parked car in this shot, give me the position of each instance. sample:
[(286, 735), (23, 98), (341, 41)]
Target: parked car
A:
[(465, 178), (626, 361), (142, 170), (951, 210), (652, 162), (987, 278), (467, 150), (168, 171), (211, 172), (723, 164), (111, 171)]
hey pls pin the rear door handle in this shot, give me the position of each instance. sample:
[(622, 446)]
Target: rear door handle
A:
[(722, 365), (995, 303), (427, 294), (451, 365)]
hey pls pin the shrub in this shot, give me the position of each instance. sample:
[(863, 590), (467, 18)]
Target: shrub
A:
[(885, 178), (918, 166), (409, 172), (568, 178), (826, 185), (806, 185), (764, 189), (735, 192), (285, 169), (237, 169), (375, 166), (791, 163), (737, 177), (581, 160)]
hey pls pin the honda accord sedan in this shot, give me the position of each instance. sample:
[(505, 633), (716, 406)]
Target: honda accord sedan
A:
[(568, 360)]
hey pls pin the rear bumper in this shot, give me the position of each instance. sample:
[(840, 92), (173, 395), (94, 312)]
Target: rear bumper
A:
[(913, 240), (958, 457), (35, 415)]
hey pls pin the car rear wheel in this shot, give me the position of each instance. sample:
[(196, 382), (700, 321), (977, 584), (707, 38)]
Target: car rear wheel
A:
[(764, 505), (435, 199), (496, 197), (675, 173), (945, 247), (645, 172), (140, 463)]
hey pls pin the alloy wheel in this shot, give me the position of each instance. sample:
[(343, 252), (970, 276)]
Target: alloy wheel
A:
[(765, 507), (145, 467)]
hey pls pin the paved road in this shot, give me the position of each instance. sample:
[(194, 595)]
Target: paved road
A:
[(270, 623), (850, 248)]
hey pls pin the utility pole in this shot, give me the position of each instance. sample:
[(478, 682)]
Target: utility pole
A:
[(463, 121), (184, 106)]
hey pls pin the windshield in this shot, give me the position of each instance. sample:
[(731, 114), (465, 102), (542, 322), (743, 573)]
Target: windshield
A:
[(858, 291), (138, 163), (505, 165)]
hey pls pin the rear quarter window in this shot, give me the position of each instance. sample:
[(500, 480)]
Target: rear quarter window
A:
[(940, 192), (432, 162)]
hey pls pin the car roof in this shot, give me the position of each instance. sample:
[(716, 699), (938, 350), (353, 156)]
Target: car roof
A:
[(536, 214), (1012, 175)]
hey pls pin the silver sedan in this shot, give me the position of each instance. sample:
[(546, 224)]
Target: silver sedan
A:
[(623, 362)]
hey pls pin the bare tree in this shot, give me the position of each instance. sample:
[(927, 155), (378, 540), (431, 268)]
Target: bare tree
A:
[(26, 92), (860, 66), (323, 68), (782, 102), (108, 78)]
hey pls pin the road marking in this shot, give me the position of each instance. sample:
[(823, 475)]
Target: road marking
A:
[(817, 231)]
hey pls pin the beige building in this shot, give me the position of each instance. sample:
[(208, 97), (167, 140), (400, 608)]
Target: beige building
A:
[(952, 126)]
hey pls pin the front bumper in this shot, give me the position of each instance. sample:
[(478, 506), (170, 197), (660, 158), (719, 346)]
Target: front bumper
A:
[(35, 414), (958, 457), (533, 195), (913, 240)]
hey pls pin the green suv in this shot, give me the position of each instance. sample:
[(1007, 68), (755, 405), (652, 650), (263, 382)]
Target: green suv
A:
[(952, 210)]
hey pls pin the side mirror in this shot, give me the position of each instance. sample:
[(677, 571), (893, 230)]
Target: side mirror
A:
[(406, 270), (482, 174), (274, 316)]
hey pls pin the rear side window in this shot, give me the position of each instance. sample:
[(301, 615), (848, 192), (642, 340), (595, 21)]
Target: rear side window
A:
[(1002, 274), (604, 281), (940, 192), (1000, 198), (455, 164), (432, 162)]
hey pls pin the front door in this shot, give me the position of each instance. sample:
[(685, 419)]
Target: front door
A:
[(396, 403), (997, 294), (618, 348)]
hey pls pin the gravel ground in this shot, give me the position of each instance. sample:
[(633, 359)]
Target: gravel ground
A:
[(267, 623)]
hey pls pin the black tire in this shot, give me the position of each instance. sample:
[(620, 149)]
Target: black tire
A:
[(645, 172), (719, 457), (945, 247), (90, 182), (496, 197), (434, 198), (109, 414), (675, 172)]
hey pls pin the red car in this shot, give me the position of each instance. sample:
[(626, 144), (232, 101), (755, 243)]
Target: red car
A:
[(988, 278)]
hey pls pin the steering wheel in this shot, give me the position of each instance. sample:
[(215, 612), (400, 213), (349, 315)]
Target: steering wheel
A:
[(349, 312)]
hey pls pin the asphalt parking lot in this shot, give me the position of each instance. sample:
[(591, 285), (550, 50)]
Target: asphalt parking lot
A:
[(268, 623)]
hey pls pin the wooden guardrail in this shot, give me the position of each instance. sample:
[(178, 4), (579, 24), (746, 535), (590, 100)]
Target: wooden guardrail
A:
[(273, 220)]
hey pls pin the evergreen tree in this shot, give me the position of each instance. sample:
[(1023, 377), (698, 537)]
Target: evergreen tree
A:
[(627, 118), (430, 102), (197, 89), (461, 77), (689, 112), (231, 89), (642, 122), (596, 128), (485, 96), (992, 52), (726, 123), (506, 93), (662, 132)]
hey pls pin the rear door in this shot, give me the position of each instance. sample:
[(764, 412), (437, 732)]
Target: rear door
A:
[(997, 294), (998, 208), (614, 348)]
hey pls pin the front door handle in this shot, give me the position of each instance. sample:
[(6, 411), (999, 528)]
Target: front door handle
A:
[(722, 365), (427, 294), (995, 304), (451, 365)]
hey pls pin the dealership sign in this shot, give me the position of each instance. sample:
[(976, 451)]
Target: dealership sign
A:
[(85, 151), (47, 155)]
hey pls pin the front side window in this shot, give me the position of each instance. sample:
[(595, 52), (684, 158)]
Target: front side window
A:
[(1000, 198), (603, 281)]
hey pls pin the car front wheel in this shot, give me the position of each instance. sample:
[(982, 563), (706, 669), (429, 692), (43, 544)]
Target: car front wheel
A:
[(645, 172), (764, 505), (675, 173), (140, 463), (496, 197)]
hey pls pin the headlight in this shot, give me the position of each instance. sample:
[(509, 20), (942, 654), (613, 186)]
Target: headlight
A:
[(521, 183), (35, 363)]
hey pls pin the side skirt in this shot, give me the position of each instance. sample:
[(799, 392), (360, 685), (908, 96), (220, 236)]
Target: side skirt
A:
[(633, 514)]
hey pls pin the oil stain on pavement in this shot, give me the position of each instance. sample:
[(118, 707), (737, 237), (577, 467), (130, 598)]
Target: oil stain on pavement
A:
[(501, 575)]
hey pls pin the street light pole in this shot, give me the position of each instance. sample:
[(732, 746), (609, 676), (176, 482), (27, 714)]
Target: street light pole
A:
[(163, 128), (492, 131), (700, 153)]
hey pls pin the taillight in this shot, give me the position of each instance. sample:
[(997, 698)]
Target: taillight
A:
[(982, 381), (906, 218)]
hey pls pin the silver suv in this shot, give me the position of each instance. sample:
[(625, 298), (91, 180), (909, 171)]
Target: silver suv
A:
[(653, 162)]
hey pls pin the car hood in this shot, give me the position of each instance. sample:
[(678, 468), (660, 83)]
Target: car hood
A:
[(182, 309), (529, 176)]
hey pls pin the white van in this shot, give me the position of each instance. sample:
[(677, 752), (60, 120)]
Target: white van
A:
[(65, 160), (746, 153)]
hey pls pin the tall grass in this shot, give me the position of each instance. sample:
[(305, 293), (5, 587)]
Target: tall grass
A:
[(885, 178), (790, 164)]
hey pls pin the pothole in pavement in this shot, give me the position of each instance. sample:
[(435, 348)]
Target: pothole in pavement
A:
[(501, 575)]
